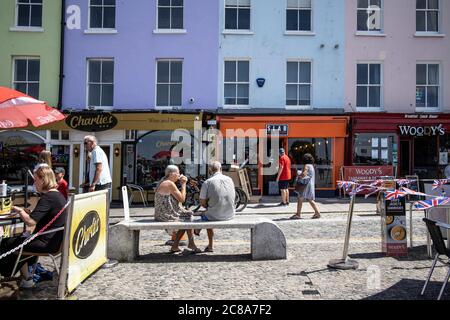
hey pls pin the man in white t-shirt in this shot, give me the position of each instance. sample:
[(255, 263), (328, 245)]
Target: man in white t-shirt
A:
[(99, 173)]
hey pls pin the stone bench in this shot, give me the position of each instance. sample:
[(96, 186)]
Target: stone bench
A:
[(267, 240)]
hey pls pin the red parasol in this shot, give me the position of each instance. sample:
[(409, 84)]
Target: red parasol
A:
[(16, 109)]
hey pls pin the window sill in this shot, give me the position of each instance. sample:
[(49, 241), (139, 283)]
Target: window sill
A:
[(299, 33), (238, 32), (422, 109), (100, 31), (236, 107), (169, 31), (165, 108), (26, 29), (370, 34), (429, 35), (368, 109), (298, 107), (100, 108)]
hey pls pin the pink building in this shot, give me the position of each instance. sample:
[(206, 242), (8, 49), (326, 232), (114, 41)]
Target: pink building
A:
[(397, 77), (406, 39)]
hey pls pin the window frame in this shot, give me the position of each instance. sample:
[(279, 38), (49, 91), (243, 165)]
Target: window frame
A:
[(102, 29), (237, 31), (300, 107), (169, 30), (370, 32), (27, 58), (426, 10), (300, 32), (100, 83), (29, 27), (170, 107), (439, 85), (236, 106), (368, 85)]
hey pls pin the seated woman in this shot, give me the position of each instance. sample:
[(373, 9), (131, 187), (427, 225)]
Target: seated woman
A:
[(48, 206), (168, 200)]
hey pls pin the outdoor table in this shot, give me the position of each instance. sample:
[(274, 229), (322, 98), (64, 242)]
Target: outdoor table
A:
[(11, 226)]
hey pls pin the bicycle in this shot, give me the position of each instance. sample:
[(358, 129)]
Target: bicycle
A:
[(241, 199)]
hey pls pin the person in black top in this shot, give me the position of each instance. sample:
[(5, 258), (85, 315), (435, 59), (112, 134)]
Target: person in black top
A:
[(48, 206)]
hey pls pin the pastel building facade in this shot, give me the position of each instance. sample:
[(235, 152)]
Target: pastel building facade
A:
[(397, 61), (281, 68)]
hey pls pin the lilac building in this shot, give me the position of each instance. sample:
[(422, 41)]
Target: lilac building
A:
[(141, 54)]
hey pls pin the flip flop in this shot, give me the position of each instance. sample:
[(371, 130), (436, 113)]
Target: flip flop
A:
[(207, 249), (295, 217), (196, 250), (316, 216), (174, 251)]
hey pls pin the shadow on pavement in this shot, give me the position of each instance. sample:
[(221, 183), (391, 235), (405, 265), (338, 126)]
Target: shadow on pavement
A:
[(409, 289), (191, 258), (418, 253)]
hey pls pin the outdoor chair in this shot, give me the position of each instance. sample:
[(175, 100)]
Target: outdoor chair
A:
[(28, 255), (434, 229), (132, 187)]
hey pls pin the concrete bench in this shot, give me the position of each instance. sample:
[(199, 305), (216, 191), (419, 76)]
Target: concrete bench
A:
[(267, 240)]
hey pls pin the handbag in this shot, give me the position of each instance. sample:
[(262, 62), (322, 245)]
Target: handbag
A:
[(301, 183)]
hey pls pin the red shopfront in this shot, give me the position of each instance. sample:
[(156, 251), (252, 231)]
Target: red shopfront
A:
[(413, 143)]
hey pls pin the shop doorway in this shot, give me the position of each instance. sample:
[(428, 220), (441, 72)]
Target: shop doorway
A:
[(406, 159), (270, 186)]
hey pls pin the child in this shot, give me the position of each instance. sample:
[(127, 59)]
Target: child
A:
[(63, 187)]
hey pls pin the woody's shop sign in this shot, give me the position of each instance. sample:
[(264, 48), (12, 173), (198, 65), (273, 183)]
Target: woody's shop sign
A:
[(93, 122), (421, 131)]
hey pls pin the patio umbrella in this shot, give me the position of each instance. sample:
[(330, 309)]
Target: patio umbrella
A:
[(16, 109)]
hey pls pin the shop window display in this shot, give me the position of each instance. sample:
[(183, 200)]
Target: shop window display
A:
[(61, 158), (321, 150), (153, 154), (248, 159), (19, 151), (375, 149)]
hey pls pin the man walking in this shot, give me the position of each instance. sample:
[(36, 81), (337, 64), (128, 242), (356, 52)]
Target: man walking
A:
[(284, 177), (217, 196), (99, 173)]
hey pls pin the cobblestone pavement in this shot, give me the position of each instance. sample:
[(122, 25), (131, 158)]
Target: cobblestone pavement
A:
[(229, 272)]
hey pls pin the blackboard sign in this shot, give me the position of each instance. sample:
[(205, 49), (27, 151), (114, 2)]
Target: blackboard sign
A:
[(395, 207)]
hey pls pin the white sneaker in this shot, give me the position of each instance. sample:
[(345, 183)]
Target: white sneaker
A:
[(27, 284)]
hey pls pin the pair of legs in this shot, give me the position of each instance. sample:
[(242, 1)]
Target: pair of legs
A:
[(210, 232), (191, 244), (284, 196), (313, 205)]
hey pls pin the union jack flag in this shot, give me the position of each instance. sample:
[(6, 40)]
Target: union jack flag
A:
[(439, 183), (394, 194), (414, 193), (403, 182), (347, 185), (427, 204)]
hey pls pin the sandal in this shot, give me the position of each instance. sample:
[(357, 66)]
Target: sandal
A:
[(208, 249), (295, 217), (174, 251), (195, 250), (316, 216)]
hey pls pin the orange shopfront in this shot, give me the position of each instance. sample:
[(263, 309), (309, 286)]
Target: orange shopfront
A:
[(322, 136)]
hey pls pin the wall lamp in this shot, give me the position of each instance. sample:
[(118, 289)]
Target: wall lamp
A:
[(76, 152), (116, 152)]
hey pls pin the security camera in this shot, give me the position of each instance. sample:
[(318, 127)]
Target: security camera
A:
[(191, 100)]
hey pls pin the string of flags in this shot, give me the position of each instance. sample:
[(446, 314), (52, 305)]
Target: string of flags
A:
[(370, 187)]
